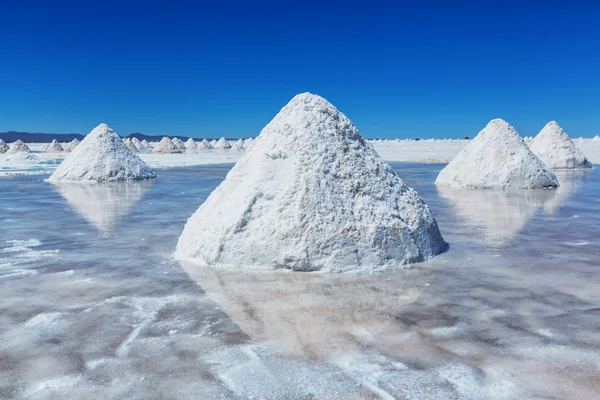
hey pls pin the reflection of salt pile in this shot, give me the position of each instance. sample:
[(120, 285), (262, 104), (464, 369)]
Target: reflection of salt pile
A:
[(178, 143), (497, 158), (317, 316), (222, 144), (74, 143), (55, 147), (204, 145), (555, 148), (3, 147), (570, 181), (102, 204), (499, 214), (101, 156), (311, 195), (166, 146), (191, 144), (19, 147)]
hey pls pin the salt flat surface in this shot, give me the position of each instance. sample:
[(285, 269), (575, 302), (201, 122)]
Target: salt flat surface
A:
[(94, 306), (424, 151)]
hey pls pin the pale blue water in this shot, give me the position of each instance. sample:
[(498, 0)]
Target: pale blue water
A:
[(93, 306)]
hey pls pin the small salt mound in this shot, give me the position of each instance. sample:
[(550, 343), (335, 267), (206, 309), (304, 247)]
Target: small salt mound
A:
[(146, 144), (596, 138), (204, 145), (191, 144), (136, 142), (19, 147), (213, 142), (74, 143), (580, 140), (55, 147), (102, 157), (554, 147), (497, 158), (178, 143), (166, 146), (311, 195), (222, 144), (3, 147), (237, 146), (23, 156), (130, 145)]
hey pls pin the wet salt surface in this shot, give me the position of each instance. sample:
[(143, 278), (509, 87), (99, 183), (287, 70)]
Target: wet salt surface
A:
[(93, 306)]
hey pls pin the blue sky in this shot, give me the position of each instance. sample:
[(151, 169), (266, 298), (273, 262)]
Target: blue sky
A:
[(396, 69)]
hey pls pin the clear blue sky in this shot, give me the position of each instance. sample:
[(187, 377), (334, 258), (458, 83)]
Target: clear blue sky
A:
[(397, 69)]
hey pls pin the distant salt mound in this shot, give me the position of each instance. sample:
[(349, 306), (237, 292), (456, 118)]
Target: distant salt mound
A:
[(596, 138), (166, 146), (74, 143), (213, 142), (204, 145), (3, 147), (139, 145), (19, 147), (55, 147), (190, 144), (178, 143), (222, 144), (130, 145), (101, 157), (238, 146), (146, 144), (554, 147), (28, 158), (497, 158), (311, 195)]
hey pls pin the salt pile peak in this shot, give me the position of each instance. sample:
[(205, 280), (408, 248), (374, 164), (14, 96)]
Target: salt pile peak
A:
[(146, 144), (139, 145), (497, 158), (237, 146), (74, 143), (311, 195), (222, 144), (556, 149), (204, 144), (178, 143), (166, 146), (55, 147), (191, 144), (19, 147), (130, 145), (101, 157), (3, 147)]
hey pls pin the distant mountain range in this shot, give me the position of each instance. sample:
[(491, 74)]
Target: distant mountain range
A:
[(27, 137)]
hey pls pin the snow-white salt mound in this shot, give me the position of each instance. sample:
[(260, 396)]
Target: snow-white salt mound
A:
[(3, 147), (146, 144), (23, 156), (222, 144), (166, 146), (213, 142), (191, 144), (596, 138), (497, 158), (311, 195), (178, 143), (19, 147), (74, 143), (139, 145), (55, 147), (102, 157), (204, 145), (130, 145), (554, 147), (238, 146)]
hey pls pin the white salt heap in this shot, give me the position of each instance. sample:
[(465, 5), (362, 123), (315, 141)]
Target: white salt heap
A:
[(311, 195), (166, 146), (213, 142), (178, 143), (222, 144), (139, 145), (55, 147), (204, 144), (19, 147), (191, 144), (497, 158), (237, 146), (101, 157), (248, 142), (596, 138), (554, 147), (74, 143), (146, 144), (130, 145), (3, 147)]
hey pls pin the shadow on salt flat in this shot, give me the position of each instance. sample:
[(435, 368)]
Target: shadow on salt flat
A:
[(103, 204)]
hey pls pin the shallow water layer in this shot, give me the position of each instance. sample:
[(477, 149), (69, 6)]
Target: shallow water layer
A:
[(93, 305)]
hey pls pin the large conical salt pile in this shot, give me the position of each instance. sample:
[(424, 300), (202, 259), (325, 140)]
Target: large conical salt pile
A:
[(178, 143), (556, 149), (55, 147), (74, 143), (101, 157), (3, 147), (166, 146), (311, 195), (19, 147), (222, 144), (497, 158), (204, 144), (190, 144)]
